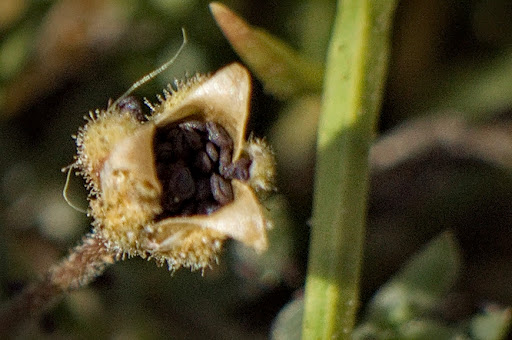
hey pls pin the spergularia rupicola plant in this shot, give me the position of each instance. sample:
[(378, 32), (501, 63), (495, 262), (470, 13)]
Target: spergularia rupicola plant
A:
[(171, 186)]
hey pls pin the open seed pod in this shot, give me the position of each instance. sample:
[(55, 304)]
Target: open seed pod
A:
[(176, 185)]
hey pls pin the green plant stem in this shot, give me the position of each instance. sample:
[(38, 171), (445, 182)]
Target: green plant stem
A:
[(354, 80)]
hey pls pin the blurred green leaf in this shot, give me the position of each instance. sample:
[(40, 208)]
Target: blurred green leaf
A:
[(14, 51), (491, 325), (288, 323), (400, 307), (427, 330), (478, 88), (418, 287), (282, 70)]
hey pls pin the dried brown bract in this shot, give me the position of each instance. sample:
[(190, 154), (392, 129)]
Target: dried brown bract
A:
[(173, 186)]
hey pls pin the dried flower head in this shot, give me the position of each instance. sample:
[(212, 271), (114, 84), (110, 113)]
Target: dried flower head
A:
[(173, 186)]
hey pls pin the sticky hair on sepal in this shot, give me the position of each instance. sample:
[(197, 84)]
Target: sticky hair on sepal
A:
[(152, 74), (262, 170), (66, 187)]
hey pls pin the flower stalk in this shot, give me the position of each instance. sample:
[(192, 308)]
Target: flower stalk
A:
[(84, 263), (353, 85)]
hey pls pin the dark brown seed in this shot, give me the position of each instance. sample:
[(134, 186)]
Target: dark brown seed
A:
[(177, 139), (221, 189), (132, 105), (194, 165), (224, 160), (203, 189), (181, 183), (203, 163), (193, 125), (212, 152), (218, 135), (239, 169), (163, 171), (193, 140), (164, 152)]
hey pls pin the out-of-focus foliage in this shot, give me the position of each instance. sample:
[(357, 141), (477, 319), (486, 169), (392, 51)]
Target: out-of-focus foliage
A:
[(416, 289), (282, 70), (410, 305), (60, 59)]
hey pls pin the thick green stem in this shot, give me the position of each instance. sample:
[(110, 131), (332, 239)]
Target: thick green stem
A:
[(354, 81)]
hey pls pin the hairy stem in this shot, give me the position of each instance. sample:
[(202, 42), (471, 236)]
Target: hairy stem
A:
[(353, 85), (83, 264)]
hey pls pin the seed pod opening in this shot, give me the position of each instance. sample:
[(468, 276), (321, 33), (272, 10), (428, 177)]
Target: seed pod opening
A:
[(195, 179)]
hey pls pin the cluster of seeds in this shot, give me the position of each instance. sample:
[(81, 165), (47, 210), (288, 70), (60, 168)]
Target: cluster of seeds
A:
[(194, 164)]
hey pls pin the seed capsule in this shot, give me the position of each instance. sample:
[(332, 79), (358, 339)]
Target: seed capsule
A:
[(174, 187)]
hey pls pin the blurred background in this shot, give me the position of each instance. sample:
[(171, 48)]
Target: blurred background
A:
[(442, 160)]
